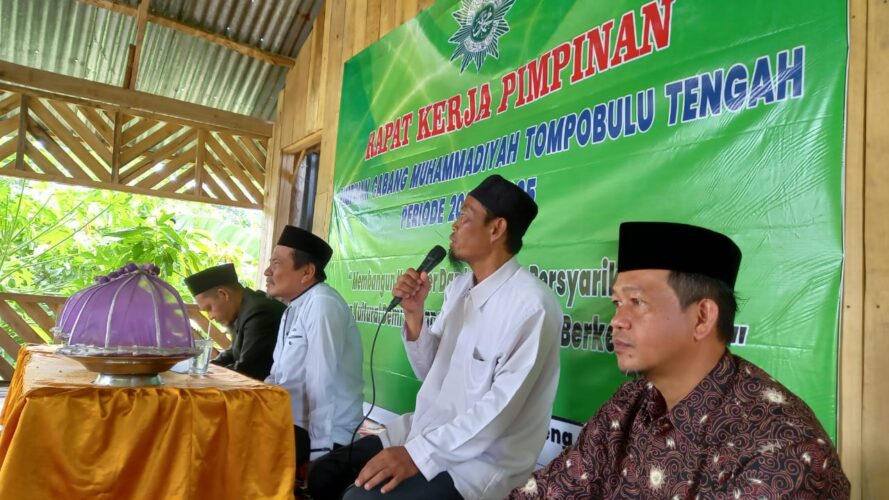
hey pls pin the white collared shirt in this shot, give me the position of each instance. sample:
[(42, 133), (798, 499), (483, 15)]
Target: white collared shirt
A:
[(317, 358), (490, 367)]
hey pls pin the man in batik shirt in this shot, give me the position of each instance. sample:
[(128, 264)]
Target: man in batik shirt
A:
[(699, 422)]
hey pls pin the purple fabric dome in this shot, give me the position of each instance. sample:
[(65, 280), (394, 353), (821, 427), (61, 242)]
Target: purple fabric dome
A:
[(129, 311)]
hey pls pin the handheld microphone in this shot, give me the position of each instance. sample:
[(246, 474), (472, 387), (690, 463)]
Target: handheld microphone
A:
[(433, 258)]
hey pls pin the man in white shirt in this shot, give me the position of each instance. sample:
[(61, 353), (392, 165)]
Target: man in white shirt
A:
[(489, 365), (317, 356)]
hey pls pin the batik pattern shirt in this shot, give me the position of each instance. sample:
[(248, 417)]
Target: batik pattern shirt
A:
[(738, 434)]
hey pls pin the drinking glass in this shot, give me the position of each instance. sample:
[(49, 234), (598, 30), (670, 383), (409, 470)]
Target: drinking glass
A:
[(201, 363)]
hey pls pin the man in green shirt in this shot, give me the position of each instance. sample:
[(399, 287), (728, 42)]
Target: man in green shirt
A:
[(252, 316)]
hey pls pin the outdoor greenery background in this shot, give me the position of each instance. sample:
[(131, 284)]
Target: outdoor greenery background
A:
[(56, 239)]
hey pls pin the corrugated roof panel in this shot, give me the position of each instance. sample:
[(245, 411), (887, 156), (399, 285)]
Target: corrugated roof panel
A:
[(65, 37), (191, 69), (80, 40)]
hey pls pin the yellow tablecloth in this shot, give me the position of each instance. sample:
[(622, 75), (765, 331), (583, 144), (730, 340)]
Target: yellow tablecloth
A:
[(220, 436)]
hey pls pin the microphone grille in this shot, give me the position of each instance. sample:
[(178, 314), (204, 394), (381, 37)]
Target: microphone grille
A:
[(438, 253)]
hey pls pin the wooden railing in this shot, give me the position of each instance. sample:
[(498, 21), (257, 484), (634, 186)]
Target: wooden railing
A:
[(29, 319), (55, 140)]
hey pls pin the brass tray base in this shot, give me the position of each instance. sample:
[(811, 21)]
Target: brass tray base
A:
[(109, 380), (128, 370)]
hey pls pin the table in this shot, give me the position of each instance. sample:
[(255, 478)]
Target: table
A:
[(219, 436)]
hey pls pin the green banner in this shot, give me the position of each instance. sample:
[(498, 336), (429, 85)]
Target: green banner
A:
[(727, 115)]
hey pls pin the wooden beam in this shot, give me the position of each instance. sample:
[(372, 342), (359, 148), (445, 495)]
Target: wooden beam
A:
[(6, 370), (9, 126), (20, 326), (199, 163), (244, 184), (7, 344), (99, 122), (128, 70), (223, 200), (875, 404), (148, 161), (136, 130), (74, 144), (248, 164), (141, 21), (181, 179), (215, 181), (173, 166), (23, 133), (49, 299), (27, 80), (258, 155), (852, 335), (241, 48), (158, 136), (43, 163), (56, 152), (116, 147), (38, 315), (91, 138), (291, 176), (222, 184), (10, 102), (310, 140), (8, 149)]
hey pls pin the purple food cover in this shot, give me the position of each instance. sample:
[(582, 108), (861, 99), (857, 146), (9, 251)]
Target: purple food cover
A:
[(130, 310)]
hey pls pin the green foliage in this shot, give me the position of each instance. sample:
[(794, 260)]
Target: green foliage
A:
[(56, 239)]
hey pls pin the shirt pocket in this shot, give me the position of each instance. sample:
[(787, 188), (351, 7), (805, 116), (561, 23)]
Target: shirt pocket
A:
[(295, 347), (480, 375)]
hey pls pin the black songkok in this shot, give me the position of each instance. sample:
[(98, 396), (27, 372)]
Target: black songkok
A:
[(678, 247), (303, 240), (505, 199), (212, 277)]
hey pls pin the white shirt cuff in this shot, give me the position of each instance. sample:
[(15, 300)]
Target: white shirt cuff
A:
[(420, 451)]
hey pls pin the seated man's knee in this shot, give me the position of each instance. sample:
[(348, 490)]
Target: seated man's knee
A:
[(323, 478), (356, 493), (321, 468)]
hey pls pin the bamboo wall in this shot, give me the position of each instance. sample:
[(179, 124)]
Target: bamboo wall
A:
[(308, 115)]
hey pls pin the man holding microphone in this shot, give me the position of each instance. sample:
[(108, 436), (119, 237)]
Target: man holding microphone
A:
[(489, 365)]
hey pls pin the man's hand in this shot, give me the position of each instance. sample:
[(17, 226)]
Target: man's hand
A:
[(394, 462), (413, 288)]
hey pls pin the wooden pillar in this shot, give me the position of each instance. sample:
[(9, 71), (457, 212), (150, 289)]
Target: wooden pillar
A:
[(136, 47), (21, 149), (875, 390), (115, 147), (199, 163)]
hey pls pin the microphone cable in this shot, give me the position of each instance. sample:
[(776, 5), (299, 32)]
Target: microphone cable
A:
[(373, 388), (432, 259)]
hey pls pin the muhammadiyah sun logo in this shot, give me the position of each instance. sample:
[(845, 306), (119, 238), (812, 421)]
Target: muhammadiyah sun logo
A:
[(482, 23)]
